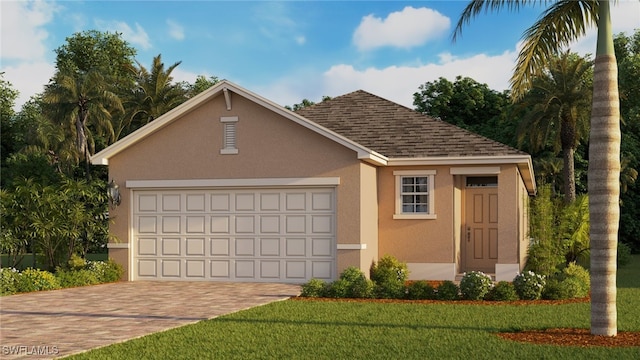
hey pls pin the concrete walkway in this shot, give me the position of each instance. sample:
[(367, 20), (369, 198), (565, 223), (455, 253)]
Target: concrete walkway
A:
[(57, 323)]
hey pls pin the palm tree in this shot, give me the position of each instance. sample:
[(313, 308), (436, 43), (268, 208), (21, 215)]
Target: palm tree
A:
[(562, 22), (153, 95), (555, 111), (84, 103)]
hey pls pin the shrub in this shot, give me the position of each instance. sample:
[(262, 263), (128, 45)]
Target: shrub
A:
[(573, 282), (106, 271), (502, 291), (529, 285), (8, 281), (475, 285), (74, 278), (358, 286), (338, 289), (448, 290), (581, 277), (389, 276), (76, 262), (36, 280), (420, 290), (313, 288), (624, 254)]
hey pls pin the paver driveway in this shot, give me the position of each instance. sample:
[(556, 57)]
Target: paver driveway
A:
[(63, 322)]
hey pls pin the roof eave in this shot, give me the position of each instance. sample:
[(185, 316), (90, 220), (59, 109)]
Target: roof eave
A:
[(523, 162)]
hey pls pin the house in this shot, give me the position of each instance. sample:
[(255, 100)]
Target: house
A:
[(230, 186)]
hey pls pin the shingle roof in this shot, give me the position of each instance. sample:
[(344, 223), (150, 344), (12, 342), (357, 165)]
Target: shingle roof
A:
[(396, 131)]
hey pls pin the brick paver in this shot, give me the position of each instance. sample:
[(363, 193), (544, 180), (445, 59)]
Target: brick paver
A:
[(57, 323)]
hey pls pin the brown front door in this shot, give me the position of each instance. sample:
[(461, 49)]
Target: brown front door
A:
[(481, 227)]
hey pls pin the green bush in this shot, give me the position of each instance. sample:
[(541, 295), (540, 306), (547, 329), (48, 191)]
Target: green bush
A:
[(76, 262), (420, 290), (74, 278), (358, 286), (529, 285), (448, 290), (338, 289), (502, 291), (106, 271), (314, 288), (475, 285), (573, 281), (36, 280), (8, 281), (624, 254), (389, 276)]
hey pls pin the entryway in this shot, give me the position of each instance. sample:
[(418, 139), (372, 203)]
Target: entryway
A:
[(480, 237)]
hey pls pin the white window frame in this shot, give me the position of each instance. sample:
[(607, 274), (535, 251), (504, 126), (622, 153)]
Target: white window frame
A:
[(229, 135), (430, 175)]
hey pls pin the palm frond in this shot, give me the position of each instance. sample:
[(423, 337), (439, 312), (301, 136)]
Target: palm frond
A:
[(559, 25)]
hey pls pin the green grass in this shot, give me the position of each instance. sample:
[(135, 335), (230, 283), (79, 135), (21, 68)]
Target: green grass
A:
[(351, 330)]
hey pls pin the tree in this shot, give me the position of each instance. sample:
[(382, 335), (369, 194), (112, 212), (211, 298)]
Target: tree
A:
[(8, 97), (465, 102), (627, 50), (83, 103), (201, 84), (304, 103), (561, 23), (154, 94), (555, 112)]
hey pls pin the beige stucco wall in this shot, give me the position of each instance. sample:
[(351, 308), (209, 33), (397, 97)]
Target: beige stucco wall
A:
[(440, 240), (417, 240), (270, 146)]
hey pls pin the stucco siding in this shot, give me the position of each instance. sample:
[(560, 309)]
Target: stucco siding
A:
[(269, 146), (417, 240)]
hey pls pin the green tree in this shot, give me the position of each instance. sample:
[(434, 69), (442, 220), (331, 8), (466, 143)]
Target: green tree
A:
[(201, 84), (154, 94), (304, 103), (561, 23), (556, 112), (627, 50), (82, 104), (465, 102), (8, 96)]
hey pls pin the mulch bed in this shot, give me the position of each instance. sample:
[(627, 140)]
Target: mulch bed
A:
[(559, 336)]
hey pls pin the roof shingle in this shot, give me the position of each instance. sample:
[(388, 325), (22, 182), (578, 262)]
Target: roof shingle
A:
[(396, 131)]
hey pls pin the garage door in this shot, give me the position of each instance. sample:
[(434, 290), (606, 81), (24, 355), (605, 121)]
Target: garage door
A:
[(279, 235)]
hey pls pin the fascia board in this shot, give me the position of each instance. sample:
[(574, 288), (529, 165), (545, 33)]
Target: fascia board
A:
[(522, 161)]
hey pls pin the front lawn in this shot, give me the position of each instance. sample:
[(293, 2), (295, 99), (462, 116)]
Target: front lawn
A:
[(360, 330)]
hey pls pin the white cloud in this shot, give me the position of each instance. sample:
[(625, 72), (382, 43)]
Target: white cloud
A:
[(404, 29), (398, 83), (29, 79), (176, 31), (23, 35), (137, 36), (300, 40)]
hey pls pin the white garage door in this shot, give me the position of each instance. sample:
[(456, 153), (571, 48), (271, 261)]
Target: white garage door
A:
[(279, 235)]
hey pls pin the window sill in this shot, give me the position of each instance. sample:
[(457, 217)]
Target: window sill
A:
[(414, 216), (228, 151)]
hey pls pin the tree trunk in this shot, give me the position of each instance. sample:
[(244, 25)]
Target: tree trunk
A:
[(604, 180), (568, 172)]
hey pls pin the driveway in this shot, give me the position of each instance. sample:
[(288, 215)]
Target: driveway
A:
[(56, 323)]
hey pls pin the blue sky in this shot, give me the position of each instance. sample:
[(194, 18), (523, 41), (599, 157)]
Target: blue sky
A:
[(285, 51)]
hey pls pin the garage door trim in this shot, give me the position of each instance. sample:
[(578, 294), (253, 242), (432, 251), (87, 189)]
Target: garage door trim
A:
[(231, 183)]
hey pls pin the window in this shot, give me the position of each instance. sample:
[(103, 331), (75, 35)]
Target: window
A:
[(229, 135), (414, 194)]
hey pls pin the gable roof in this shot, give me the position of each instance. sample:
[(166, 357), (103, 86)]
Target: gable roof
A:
[(380, 131), (396, 131), (228, 88)]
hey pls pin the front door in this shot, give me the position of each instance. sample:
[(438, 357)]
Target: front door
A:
[(481, 224)]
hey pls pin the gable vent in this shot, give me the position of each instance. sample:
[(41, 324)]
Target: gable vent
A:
[(229, 135)]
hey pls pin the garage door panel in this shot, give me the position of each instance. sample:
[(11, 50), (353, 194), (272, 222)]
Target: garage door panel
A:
[(171, 246), (234, 234)]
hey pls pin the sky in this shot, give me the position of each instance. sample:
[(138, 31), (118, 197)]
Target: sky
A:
[(286, 51)]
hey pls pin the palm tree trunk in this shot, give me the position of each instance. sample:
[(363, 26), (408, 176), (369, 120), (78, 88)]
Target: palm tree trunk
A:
[(569, 176), (604, 180)]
